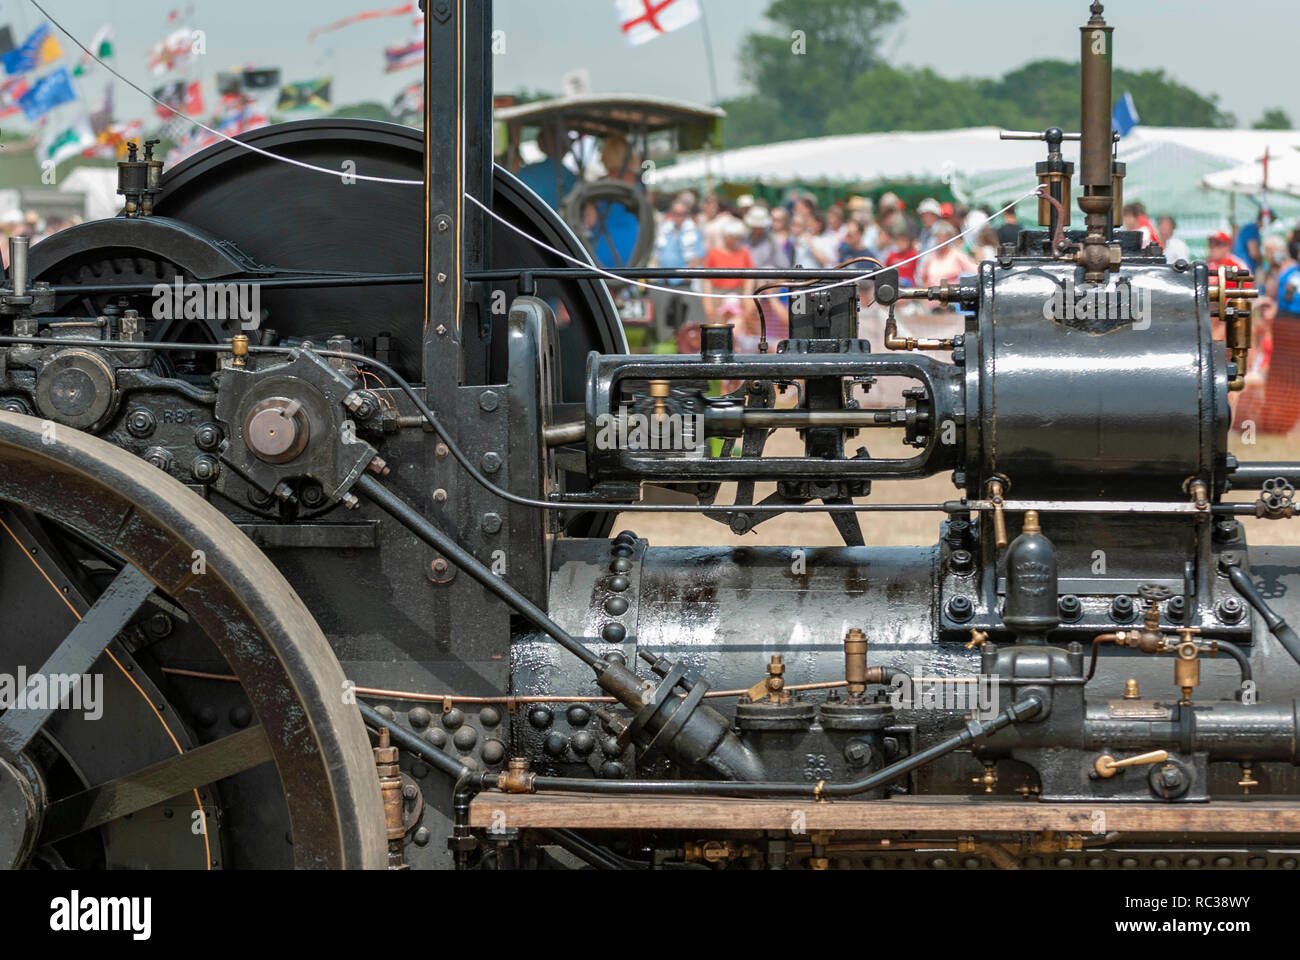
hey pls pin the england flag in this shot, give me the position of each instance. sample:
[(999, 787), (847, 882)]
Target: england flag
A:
[(643, 20)]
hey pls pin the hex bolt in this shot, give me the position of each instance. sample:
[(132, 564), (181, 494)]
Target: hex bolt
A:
[(492, 523), (1123, 609), (961, 562), (208, 437), (857, 753), (1227, 561), (441, 451), (1176, 610), (1231, 610), (160, 458), (491, 462), (205, 469), (141, 424), (1071, 608), (488, 401), (961, 609)]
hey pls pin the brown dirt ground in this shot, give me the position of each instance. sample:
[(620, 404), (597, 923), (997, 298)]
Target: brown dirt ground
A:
[(897, 529)]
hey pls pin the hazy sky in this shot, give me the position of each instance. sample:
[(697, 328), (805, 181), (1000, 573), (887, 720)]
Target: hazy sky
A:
[(1244, 58)]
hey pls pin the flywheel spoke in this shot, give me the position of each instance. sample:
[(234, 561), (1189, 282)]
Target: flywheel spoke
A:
[(173, 777), (76, 655)]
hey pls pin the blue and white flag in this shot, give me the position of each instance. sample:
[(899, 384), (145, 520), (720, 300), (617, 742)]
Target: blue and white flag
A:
[(52, 90), (1125, 117)]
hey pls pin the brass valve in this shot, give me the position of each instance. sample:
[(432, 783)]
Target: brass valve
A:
[(855, 662), (1247, 779), (517, 777), (996, 490), (772, 687), (989, 779), (1107, 766), (1187, 668), (977, 639)]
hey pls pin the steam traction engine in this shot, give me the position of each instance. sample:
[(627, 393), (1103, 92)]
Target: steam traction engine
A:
[(386, 498)]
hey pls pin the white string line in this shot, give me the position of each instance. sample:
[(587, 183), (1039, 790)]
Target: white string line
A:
[(346, 176), (341, 174), (735, 296)]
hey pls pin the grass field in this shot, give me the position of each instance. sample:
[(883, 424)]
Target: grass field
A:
[(896, 529)]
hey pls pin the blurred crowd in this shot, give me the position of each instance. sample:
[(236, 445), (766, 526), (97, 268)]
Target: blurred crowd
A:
[(938, 242), (29, 223)]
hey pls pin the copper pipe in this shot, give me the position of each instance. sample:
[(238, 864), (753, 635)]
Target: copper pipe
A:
[(493, 701)]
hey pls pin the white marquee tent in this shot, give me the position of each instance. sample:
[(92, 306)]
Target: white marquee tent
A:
[(1166, 167)]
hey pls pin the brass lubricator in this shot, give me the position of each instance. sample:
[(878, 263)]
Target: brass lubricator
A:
[(1232, 293), (856, 672), (660, 391), (390, 788), (239, 350)]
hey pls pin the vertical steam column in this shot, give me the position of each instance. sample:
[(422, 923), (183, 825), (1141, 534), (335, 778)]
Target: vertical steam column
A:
[(1097, 255)]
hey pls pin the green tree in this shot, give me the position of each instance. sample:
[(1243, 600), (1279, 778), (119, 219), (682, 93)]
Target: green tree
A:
[(1274, 119), (803, 69)]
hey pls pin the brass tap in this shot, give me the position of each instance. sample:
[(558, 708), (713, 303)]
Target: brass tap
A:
[(1247, 779), (977, 639), (989, 779), (239, 349)]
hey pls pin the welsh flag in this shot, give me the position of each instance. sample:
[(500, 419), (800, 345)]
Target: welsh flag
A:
[(101, 45), (643, 20), (60, 140)]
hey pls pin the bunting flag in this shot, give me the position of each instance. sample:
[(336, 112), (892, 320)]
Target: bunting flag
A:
[(644, 20), (60, 141), (408, 107), (6, 40), (52, 90), (181, 95), (112, 140), (37, 50), (409, 54), (10, 93), (101, 45), (172, 52), (248, 116), (309, 95), (402, 11)]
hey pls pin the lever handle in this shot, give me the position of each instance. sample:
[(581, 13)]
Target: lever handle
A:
[(1107, 766)]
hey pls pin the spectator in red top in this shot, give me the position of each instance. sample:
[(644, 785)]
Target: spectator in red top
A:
[(731, 255), (903, 256), (1221, 254)]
